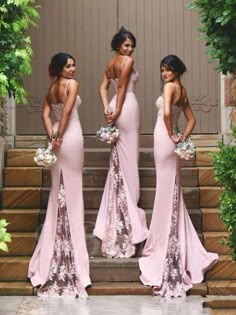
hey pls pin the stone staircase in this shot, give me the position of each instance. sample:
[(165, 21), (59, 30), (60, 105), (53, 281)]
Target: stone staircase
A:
[(24, 200)]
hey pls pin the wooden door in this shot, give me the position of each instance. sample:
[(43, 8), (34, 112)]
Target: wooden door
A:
[(84, 29)]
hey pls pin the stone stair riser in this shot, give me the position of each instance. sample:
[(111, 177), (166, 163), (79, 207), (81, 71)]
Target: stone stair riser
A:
[(207, 176), (213, 243), (225, 269), (92, 177), (224, 287), (210, 197), (146, 141), (92, 197), (91, 215), (21, 220), (22, 244), (23, 176), (211, 221), (92, 158)]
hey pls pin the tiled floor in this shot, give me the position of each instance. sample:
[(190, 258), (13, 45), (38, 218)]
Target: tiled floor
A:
[(104, 305)]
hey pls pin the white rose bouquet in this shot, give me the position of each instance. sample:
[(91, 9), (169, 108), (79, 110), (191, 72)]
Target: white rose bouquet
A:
[(108, 134), (185, 149), (45, 156)]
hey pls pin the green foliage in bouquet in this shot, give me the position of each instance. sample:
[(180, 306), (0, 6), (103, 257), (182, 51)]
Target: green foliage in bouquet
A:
[(16, 17), (224, 164), (218, 24), (4, 236)]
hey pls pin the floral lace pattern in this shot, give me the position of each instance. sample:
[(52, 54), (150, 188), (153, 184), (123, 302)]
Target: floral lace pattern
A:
[(117, 242), (62, 277), (173, 285)]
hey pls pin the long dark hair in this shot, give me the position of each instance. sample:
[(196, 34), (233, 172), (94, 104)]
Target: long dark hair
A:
[(174, 63), (120, 37), (57, 63)]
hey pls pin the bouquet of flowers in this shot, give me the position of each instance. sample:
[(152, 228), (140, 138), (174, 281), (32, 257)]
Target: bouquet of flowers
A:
[(185, 149), (45, 156), (108, 134)]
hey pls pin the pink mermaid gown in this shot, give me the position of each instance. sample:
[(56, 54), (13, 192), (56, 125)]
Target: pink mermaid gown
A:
[(173, 256), (60, 263), (120, 222)]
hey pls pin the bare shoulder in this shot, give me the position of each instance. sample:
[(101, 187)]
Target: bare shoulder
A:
[(169, 87), (128, 61), (73, 84)]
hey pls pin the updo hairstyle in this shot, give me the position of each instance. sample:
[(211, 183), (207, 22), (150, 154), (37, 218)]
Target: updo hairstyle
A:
[(57, 63), (174, 63), (120, 37)]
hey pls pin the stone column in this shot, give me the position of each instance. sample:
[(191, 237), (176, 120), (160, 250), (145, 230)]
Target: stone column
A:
[(228, 106), (7, 128)]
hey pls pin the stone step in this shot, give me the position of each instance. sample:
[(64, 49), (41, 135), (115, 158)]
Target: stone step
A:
[(213, 242), (22, 244), (14, 268), (99, 157), (225, 269), (220, 302), (207, 176), (21, 197), (93, 196), (210, 196), (92, 177), (23, 176), (96, 177), (112, 270), (35, 197), (21, 288), (223, 311), (202, 155), (221, 287), (211, 220), (91, 216), (31, 141), (21, 220), (101, 269)]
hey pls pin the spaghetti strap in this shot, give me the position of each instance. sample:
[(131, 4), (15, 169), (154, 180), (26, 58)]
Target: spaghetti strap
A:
[(67, 83), (123, 63)]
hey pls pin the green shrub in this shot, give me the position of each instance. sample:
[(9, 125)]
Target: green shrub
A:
[(4, 236), (224, 164), (16, 17), (218, 19)]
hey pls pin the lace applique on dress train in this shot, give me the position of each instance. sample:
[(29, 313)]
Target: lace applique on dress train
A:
[(63, 276), (173, 285), (117, 242)]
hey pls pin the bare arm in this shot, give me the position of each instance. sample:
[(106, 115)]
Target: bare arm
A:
[(190, 119), (123, 82), (46, 118), (103, 92)]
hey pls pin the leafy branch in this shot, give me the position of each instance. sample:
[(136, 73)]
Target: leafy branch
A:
[(16, 17), (218, 19)]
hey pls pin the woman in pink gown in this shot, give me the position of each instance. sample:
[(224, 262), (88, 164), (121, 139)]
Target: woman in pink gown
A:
[(173, 256), (120, 222), (60, 264)]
